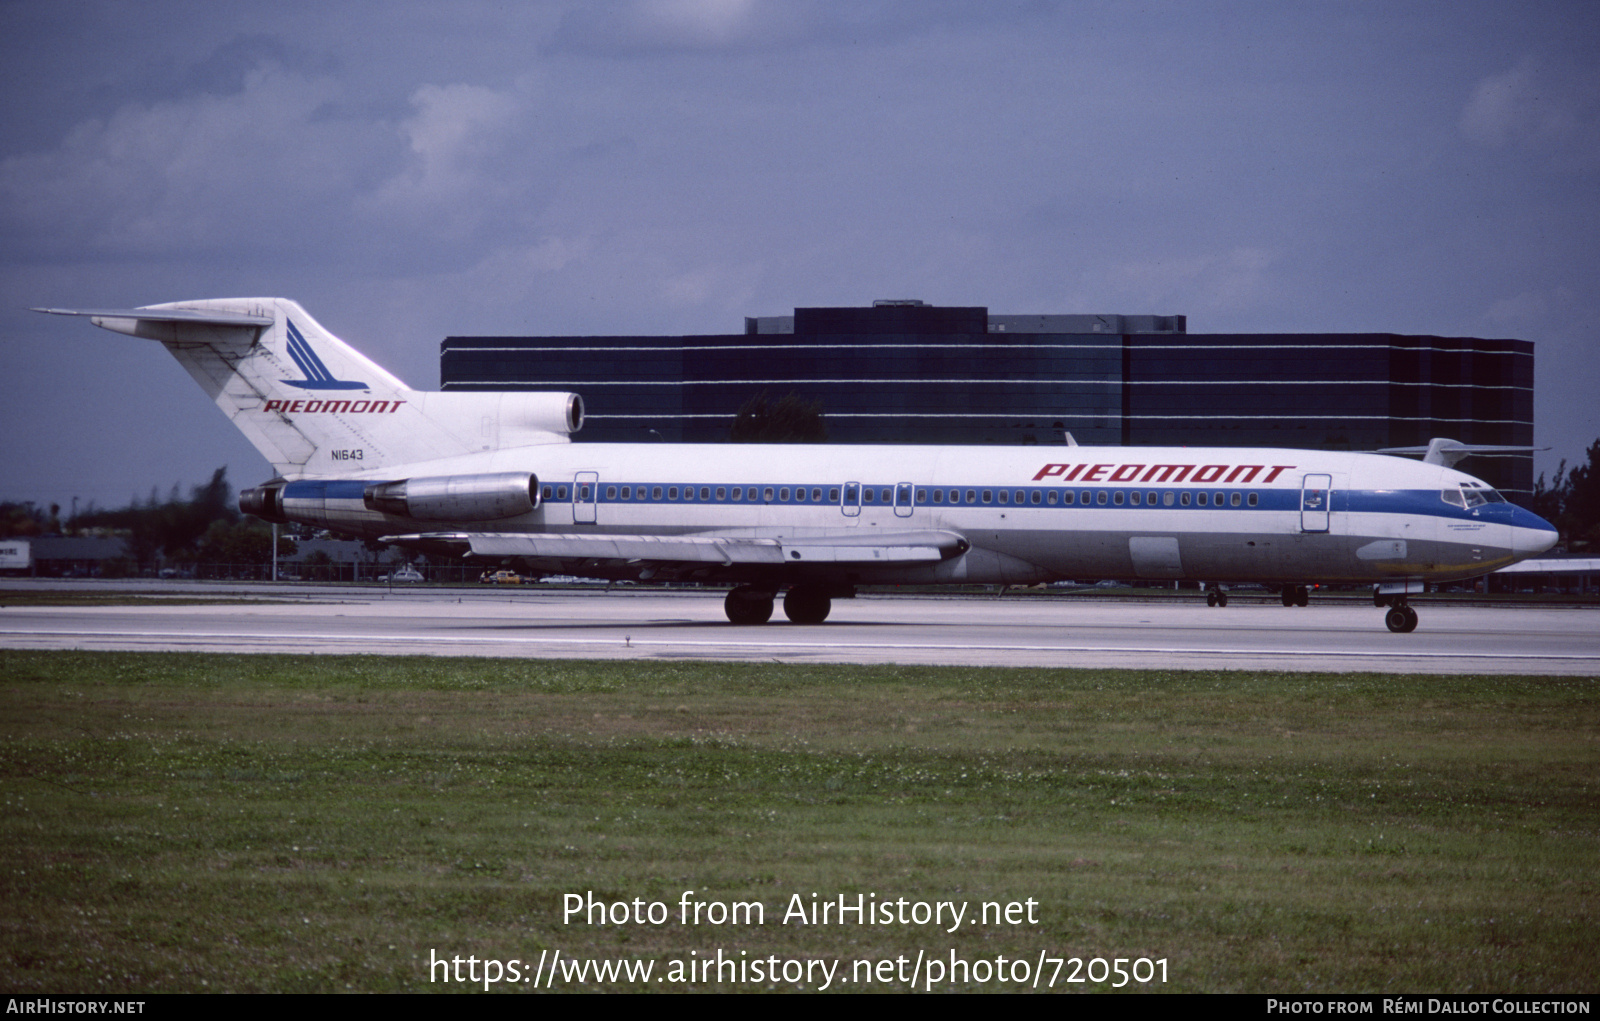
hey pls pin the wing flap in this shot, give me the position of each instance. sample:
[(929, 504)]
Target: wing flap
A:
[(723, 550)]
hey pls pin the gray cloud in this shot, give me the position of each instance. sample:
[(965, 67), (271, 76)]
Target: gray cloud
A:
[(1541, 110), (410, 170), (189, 176)]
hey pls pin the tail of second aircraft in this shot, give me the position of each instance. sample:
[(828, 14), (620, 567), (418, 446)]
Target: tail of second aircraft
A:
[(313, 405)]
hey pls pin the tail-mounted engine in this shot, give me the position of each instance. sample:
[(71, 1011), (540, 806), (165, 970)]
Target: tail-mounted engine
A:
[(485, 497), (265, 502), (351, 505)]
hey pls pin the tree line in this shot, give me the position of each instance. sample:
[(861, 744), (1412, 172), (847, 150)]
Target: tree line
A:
[(204, 529), (1571, 502)]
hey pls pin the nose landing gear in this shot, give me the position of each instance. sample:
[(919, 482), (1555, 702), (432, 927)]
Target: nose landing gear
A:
[(1401, 618)]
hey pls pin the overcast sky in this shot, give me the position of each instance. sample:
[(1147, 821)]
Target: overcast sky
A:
[(411, 170)]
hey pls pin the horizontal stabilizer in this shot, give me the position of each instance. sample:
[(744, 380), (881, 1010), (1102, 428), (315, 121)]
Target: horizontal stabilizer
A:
[(897, 548), (1447, 452), (165, 315)]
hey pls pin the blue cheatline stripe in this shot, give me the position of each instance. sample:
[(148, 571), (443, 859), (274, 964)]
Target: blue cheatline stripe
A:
[(329, 489), (1425, 502)]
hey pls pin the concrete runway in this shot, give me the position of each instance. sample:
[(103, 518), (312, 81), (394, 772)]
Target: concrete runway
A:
[(1016, 630)]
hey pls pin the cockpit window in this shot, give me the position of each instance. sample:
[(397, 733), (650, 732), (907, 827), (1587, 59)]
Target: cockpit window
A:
[(1470, 494)]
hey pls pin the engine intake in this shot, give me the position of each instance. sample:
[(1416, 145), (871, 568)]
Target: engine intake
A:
[(486, 497)]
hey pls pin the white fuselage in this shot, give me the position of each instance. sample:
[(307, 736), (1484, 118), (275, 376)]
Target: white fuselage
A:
[(1030, 514)]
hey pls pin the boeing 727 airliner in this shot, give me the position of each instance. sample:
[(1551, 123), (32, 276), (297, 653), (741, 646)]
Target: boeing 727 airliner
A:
[(494, 475)]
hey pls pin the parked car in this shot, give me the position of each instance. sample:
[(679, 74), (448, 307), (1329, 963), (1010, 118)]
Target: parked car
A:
[(500, 578), (405, 572)]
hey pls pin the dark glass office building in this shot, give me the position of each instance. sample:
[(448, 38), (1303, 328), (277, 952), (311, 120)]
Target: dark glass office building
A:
[(905, 372)]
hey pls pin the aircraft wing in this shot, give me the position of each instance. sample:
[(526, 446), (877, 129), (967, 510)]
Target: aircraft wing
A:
[(926, 547), (1554, 565)]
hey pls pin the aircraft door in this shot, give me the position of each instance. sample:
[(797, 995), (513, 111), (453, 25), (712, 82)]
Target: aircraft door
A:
[(903, 500), (850, 500), (1316, 494), (585, 494)]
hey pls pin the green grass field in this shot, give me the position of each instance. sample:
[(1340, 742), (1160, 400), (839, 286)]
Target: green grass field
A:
[(178, 822)]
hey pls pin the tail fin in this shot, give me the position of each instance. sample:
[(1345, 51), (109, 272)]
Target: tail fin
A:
[(315, 406)]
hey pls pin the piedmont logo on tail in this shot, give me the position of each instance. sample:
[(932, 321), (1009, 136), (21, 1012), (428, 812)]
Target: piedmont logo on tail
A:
[(317, 375), (495, 476)]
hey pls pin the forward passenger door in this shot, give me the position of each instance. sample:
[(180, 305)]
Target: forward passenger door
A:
[(1316, 498), (585, 495)]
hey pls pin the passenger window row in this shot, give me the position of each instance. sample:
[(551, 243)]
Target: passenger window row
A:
[(885, 495)]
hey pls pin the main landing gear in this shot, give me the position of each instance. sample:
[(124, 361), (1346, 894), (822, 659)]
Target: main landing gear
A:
[(748, 605), (1293, 595), (1401, 618), (802, 604)]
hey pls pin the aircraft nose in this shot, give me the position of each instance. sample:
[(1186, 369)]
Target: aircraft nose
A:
[(1531, 534)]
